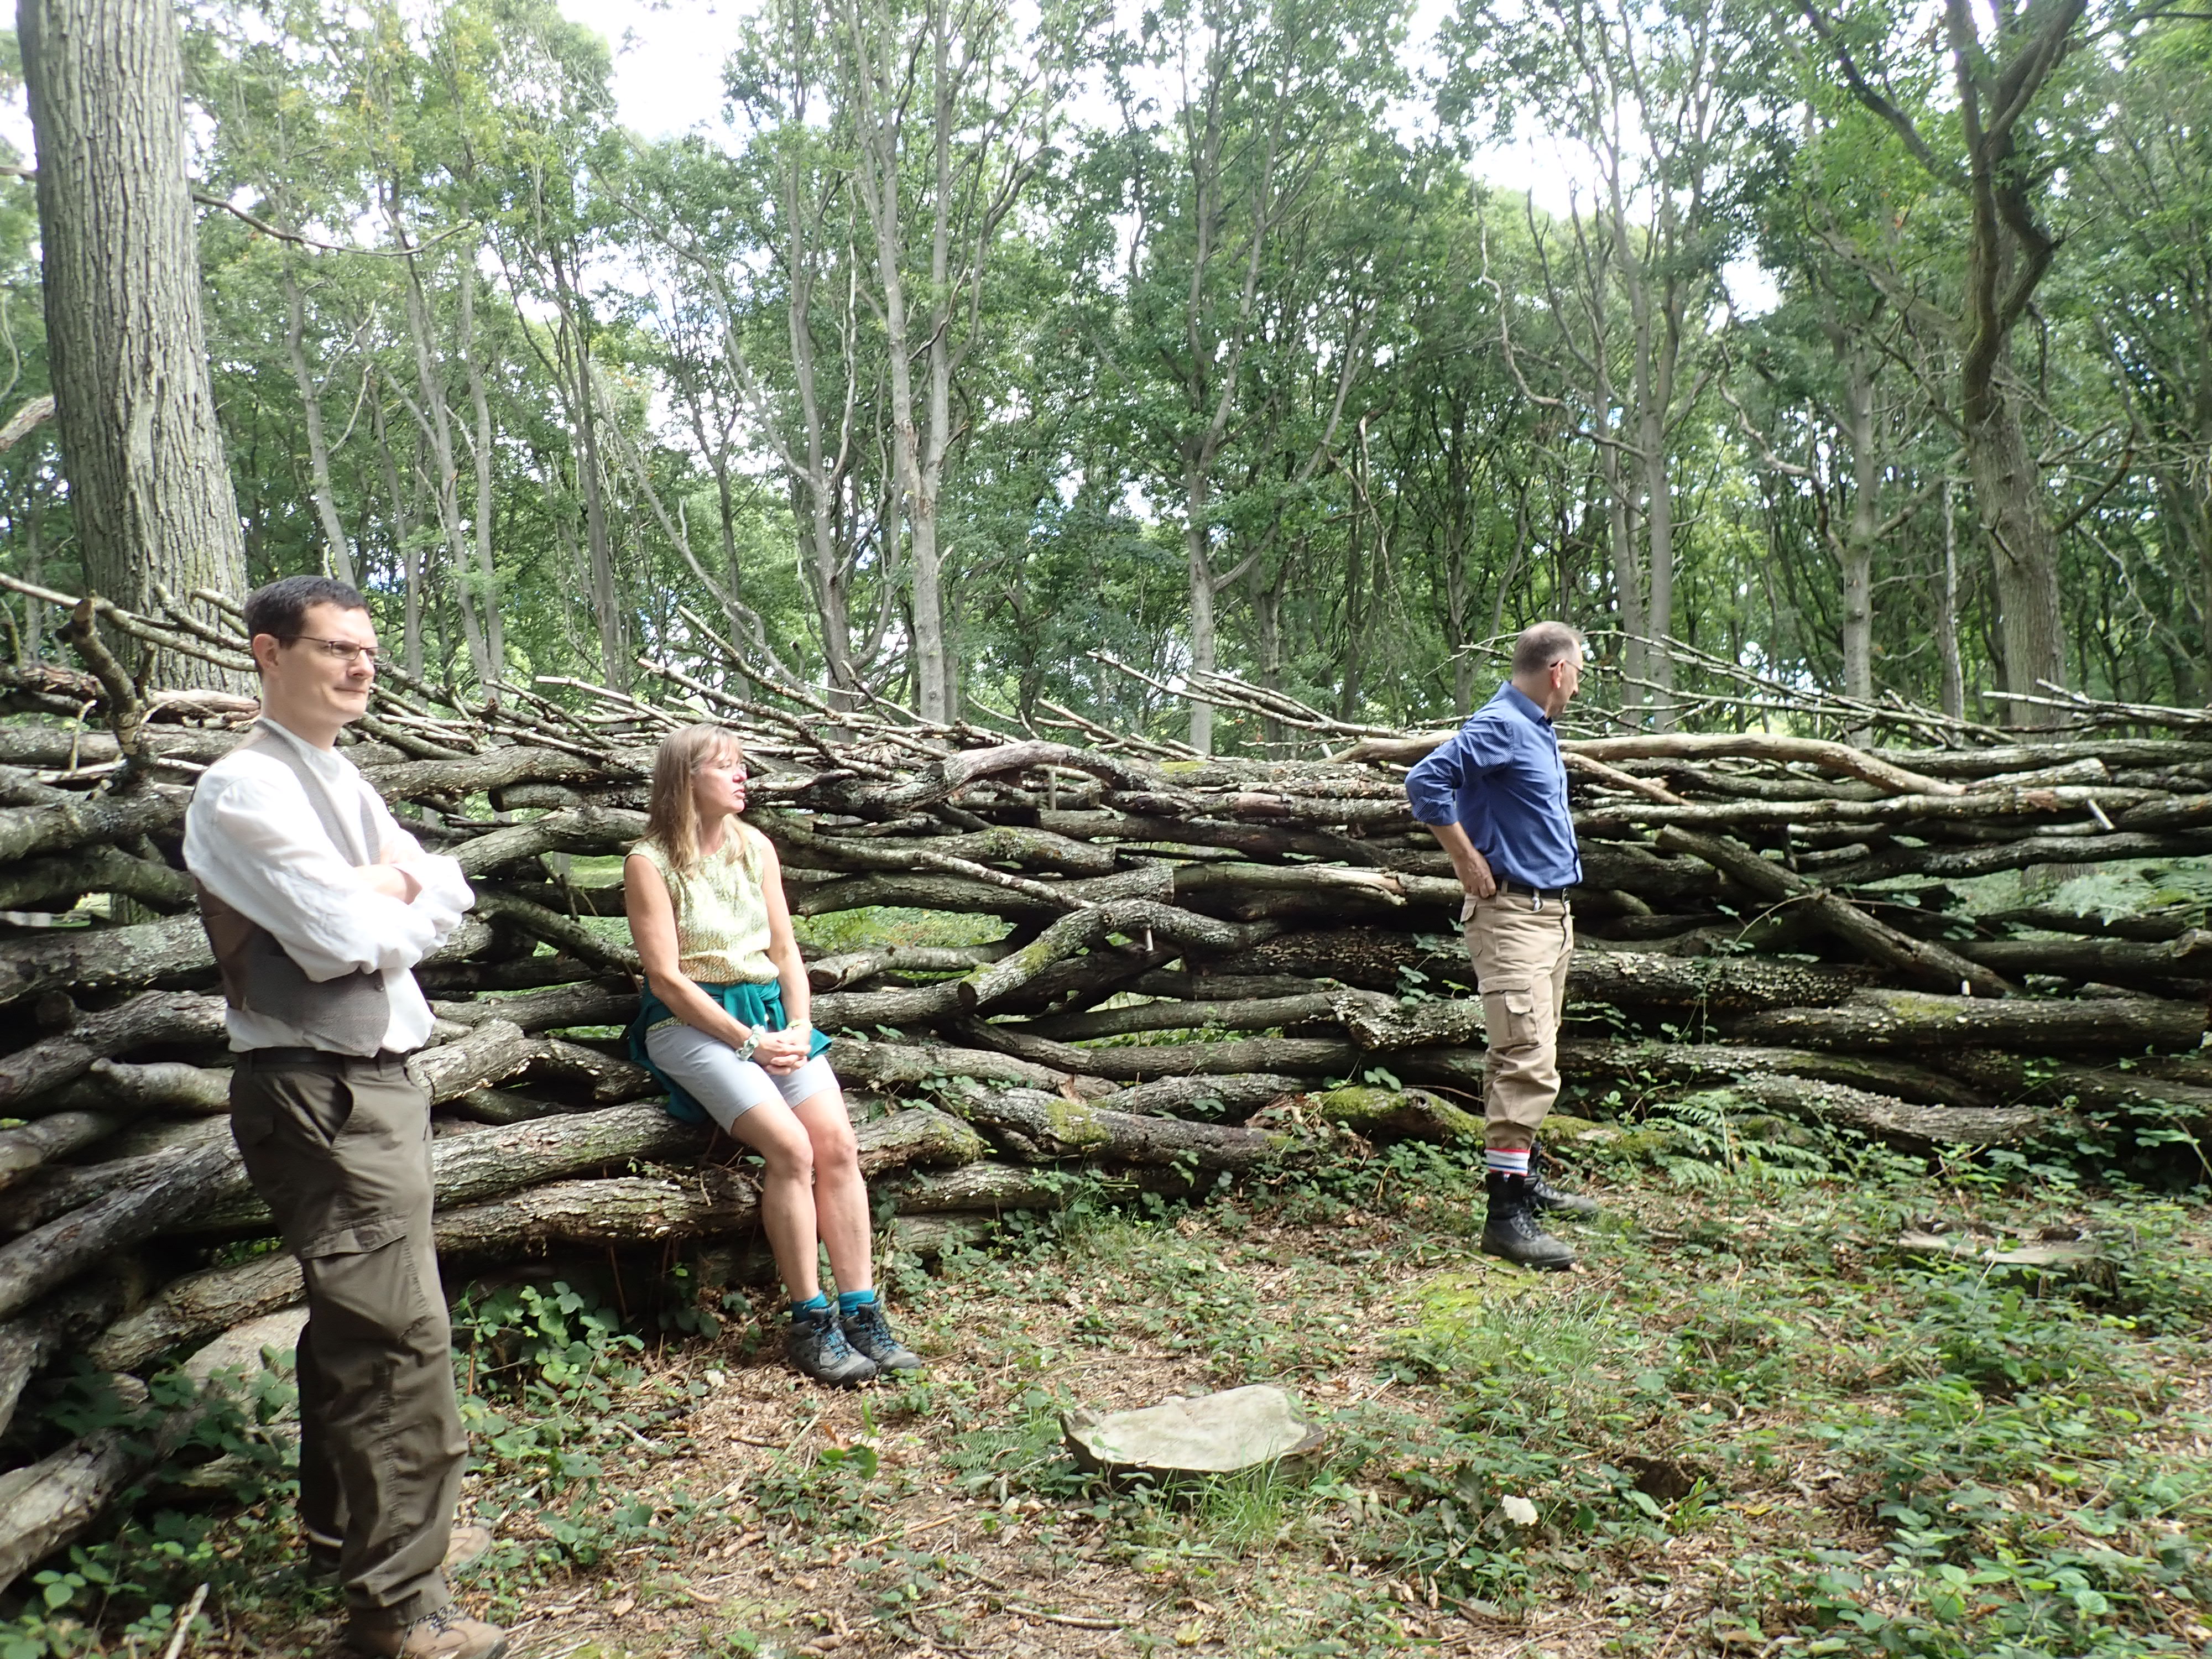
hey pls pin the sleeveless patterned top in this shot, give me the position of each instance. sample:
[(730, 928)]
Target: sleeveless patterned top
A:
[(721, 915)]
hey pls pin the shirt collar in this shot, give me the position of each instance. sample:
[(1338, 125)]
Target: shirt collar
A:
[(328, 761), (1524, 705)]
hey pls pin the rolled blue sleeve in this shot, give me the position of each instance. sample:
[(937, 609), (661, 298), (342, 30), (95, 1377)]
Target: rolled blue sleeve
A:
[(1500, 779), (1472, 751)]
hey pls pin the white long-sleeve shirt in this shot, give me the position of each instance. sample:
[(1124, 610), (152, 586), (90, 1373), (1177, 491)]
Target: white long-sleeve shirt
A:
[(253, 838)]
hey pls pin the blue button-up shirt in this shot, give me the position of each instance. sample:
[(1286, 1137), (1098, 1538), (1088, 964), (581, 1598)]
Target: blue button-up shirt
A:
[(1500, 778)]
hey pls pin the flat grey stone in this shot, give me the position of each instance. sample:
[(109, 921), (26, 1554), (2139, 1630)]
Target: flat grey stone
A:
[(1213, 1434)]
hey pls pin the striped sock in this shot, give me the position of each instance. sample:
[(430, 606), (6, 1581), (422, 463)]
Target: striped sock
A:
[(1506, 1160)]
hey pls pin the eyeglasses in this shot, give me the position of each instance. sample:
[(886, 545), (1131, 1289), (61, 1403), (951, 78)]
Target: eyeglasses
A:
[(346, 651)]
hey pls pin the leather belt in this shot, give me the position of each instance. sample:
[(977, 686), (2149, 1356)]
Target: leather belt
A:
[(315, 1060), (1522, 890)]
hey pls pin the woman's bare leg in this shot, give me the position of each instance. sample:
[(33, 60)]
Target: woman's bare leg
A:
[(787, 1203), (840, 1193)]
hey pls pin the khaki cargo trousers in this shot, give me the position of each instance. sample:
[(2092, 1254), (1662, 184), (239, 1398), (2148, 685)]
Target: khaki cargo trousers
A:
[(339, 1148), (1520, 946)]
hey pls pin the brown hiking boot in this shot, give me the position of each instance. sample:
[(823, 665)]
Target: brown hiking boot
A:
[(447, 1633)]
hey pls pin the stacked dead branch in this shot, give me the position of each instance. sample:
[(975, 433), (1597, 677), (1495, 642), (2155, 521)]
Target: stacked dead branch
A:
[(1180, 970)]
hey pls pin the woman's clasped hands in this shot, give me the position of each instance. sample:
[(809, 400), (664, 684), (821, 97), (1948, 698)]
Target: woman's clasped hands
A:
[(781, 1052)]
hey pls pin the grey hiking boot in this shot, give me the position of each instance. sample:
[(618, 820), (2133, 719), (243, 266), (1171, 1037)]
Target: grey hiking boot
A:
[(1548, 1197), (447, 1633), (1512, 1229), (817, 1346), (870, 1333)]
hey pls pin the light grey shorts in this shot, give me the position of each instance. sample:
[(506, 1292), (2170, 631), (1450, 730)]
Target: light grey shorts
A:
[(712, 1074)]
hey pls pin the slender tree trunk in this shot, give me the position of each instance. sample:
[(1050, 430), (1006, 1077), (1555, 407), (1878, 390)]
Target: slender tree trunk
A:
[(403, 542), (339, 550), (607, 605), (1947, 615), (149, 490), (35, 570), (1856, 552), (1196, 532), (480, 405), (436, 423)]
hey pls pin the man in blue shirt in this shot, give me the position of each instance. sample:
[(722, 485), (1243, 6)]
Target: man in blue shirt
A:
[(1495, 796)]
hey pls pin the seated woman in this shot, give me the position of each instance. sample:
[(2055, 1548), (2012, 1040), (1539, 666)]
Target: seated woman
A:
[(723, 1023)]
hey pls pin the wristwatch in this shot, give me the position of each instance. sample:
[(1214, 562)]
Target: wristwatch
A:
[(745, 1050)]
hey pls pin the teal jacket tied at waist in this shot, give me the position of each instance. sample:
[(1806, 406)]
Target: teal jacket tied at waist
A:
[(760, 1007)]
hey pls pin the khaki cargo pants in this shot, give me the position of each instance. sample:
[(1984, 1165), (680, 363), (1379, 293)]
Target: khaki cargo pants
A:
[(1520, 946), (340, 1150)]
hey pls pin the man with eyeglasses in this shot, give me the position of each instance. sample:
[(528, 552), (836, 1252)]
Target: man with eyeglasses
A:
[(318, 905), (1495, 796)]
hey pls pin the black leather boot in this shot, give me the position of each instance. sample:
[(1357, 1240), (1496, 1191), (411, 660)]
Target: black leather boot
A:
[(1549, 1197), (1511, 1228)]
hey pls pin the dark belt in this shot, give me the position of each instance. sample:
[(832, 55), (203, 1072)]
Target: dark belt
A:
[(316, 1060), (1522, 889)]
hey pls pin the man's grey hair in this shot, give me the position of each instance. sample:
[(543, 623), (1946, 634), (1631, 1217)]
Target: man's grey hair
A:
[(1542, 644)]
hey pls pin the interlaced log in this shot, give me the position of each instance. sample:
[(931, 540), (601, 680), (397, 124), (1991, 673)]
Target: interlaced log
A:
[(1088, 912)]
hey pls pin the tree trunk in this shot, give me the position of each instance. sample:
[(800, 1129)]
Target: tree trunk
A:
[(1857, 550), (403, 543), (1953, 684), (149, 490), (338, 550), (1197, 546), (486, 573), (2023, 552)]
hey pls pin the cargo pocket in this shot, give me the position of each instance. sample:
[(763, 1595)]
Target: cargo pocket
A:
[(364, 1281), (1508, 1014)]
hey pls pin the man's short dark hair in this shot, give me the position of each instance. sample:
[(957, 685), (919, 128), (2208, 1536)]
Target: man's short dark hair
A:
[(280, 607), (1542, 644)]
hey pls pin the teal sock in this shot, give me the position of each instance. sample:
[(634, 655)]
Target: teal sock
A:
[(849, 1302), (816, 1302)]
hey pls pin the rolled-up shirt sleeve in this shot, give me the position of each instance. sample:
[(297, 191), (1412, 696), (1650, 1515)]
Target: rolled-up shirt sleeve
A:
[(1432, 786), (445, 895), (247, 847)]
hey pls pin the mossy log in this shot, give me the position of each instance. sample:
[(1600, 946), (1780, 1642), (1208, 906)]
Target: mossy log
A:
[(52, 1255), (1180, 1097), (1885, 1116), (2155, 967), (57, 1327), (593, 1002), (162, 1085), (890, 1065), (199, 1305), (993, 1188), (171, 952), (1914, 1019), (98, 869), (1260, 1014), (851, 968), (1380, 1114), (618, 1210), (60, 821), (1036, 1127), (1136, 1064), (1924, 960), (47, 1139)]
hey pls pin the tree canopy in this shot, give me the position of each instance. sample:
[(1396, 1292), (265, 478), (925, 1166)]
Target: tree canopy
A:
[(982, 353)]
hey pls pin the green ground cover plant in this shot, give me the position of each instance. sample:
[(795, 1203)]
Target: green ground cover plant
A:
[(1752, 1424)]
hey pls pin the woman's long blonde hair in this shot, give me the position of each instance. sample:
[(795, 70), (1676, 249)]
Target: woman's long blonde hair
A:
[(671, 815)]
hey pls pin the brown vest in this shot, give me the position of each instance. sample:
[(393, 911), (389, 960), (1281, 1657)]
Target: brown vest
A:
[(349, 1014)]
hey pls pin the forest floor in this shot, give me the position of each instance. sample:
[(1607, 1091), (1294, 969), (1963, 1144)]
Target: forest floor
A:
[(1748, 1423)]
